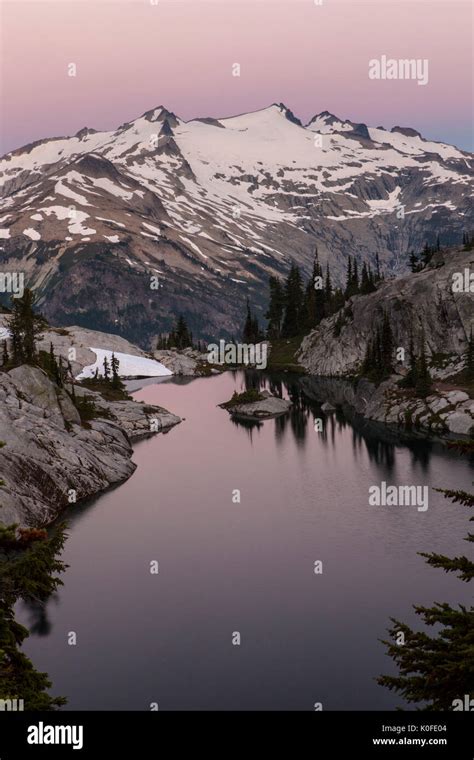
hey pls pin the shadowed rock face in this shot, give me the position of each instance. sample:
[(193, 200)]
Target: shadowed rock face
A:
[(45, 451), (422, 300)]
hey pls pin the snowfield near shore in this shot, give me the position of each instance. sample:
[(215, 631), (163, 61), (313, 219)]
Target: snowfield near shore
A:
[(129, 365)]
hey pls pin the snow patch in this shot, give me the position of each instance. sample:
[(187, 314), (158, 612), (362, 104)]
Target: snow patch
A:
[(129, 365), (32, 234)]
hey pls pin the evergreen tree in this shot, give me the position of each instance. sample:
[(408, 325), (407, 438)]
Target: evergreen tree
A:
[(355, 277), (423, 377), (5, 355), (328, 292), (348, 290), (414, 263), (25, 327), (106, 369), (276, 307), (115, 366), (180, 336), (364, 280), (436, 671), (378, 358), (294, 314), (427, 254), (410, 379), (470, 357), (28, 572), (251, 332), (314, 297), (247, 332)]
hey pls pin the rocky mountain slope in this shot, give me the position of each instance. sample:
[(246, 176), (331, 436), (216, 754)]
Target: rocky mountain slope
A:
[(417, 303), (45, 451), (209, 208), (424, 300)]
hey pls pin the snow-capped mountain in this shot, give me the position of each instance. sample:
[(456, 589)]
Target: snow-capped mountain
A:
[(211, 207)]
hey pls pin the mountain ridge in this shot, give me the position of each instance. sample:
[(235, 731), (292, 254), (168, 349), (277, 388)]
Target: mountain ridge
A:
[(212, 207)]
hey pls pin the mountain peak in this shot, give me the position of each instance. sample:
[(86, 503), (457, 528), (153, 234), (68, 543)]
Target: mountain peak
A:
[(85, 131), (160, 114), (287, 112)]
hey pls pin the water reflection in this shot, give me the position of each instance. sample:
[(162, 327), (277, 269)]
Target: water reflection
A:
[(248, 566), (308, 395)]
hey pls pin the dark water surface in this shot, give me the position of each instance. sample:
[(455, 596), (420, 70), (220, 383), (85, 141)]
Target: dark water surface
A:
[(248, 567)]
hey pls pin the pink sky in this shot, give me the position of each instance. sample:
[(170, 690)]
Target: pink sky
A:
[(132, 56)]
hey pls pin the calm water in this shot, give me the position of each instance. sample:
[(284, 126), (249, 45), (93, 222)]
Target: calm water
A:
[(248, 567)]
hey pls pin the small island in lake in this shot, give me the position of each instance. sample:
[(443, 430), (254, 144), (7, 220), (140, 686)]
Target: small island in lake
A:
[(254, 404)]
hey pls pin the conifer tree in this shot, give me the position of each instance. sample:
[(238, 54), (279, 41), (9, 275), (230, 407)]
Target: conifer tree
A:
[(470, 357), (410, 379), (180, 336), (348, 290), (106, 368), (423, 377), (414, 263), (247, 332), (328, 292), (355, 277), (436, 671), (25, 327), (276, 307), (28, 572), (115, 366), (293, 319), (364, 280)]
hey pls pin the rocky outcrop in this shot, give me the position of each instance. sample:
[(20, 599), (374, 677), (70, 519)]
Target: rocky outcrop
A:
[(80, 339), (446, 414), (49, 459), (423, 300), (188, 362), (266, 407)]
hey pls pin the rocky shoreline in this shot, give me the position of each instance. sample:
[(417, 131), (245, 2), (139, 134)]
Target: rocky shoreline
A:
[(443, 415), (418, 304), (49, 459)]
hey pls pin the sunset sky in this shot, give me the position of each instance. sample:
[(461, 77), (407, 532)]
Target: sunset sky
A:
[(134, 55)]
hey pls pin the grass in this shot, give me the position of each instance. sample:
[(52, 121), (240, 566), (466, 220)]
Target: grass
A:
[(247, 397), (282, 354), (106, 390)]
